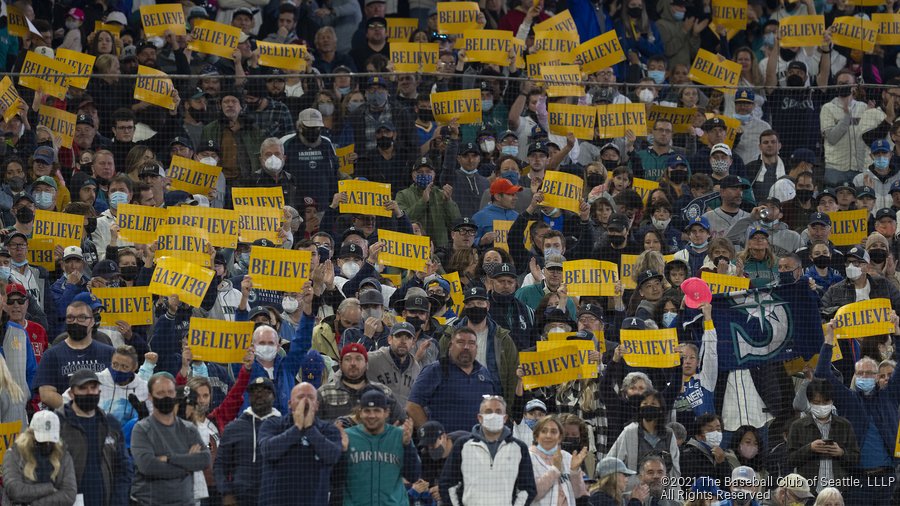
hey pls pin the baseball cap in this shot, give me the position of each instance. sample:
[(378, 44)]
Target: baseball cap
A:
[(865, 191), (208, 145), (82, 377), (743, 473), (827, 192), (16, 288), (796, 485), (47, 180), (375, 80), (371, 298), (783, 190), (505, 134), (648, 275), (475, 293), (373, 398), (732, 181), (797, 65), (803, 155), (183, 140), (243, 10), (45, 425), (538, 146), (592, 309), (676, 160), (355, 348), (464, 222), (117, 17), (262, 382), (534, 404), (429, 433), (469, 147), (76, 13), (148, 170), (504, 186), (554, 261), (756, 230), (819, 218), (375, 20), (311, 118), (611, 465), (400, 328), (886, 212), (44, 154), (895, 186), (13, 235), (617, 222), (106, 269), (696, 292), (859, 254), (880, 146), (84, 119), (416, 300), (714, 123), (703, 221), (504, 269), (744, 95), (265, 243), (197, 12), (72, 252), (632, 323), (385, 125), (89, 298), (350, 250), (720, 148), (423, 161), (312, 368)]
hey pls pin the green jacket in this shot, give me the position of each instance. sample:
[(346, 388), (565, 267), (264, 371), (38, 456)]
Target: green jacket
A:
[(531, 296), (376, 466), (437, 216), (504, 350), (249, 138)]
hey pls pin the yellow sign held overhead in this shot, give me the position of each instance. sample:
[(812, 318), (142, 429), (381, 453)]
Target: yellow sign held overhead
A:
[(214, 38), (681, 117), (401, 29), (192, 176), (650, 348), (189, 282), (139, 224), (414, 56), (157, 19), (154, 87), (855, 33), (562, 22), (9, 98), (405, 251), (888, 29), (190, 244), (219, 341), (42, 253), (716, 71), (81, 63), (802, 31), (591, 278), (562, 190), (600, 52), (272, 197), (579, 120), (588, 368), (365, 197), (551, 367), (863, 319), (290, 57), (221, 224), (44, 74), (615, 119), (16, 25), (731, 14), (60, 122), (454, 18), (626, 271), (644, 187), (279, 269), (562, 80), (559, 43), (65, 229), (599, 337), (464, 106), (133, 305), (724, 283), (487, 46), (501, 233)]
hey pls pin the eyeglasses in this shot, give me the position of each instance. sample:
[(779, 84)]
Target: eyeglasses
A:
[(18, 245), (466, 231), (80, 318), (16, 301), (489, 397)]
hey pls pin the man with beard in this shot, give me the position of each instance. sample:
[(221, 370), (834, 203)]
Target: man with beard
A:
[(731, 189), (239, 462), (340, 396), (768, 168), (794, 109), (270, 114), (393, 365), (650, 163), (238, 137), (462, 237), (416, 309), (196, 115), (95, 441), (310, 158), (452, 388), (652, 472)]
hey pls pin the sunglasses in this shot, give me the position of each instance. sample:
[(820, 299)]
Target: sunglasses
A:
[(16, 301)]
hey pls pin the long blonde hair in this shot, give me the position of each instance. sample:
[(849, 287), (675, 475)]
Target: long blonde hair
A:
[(8, 384), (609, 484), (26, 446)]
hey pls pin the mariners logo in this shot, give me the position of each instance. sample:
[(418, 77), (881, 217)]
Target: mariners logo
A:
[(765, 332)]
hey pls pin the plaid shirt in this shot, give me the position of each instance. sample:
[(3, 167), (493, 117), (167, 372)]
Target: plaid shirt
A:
[(274, 121)]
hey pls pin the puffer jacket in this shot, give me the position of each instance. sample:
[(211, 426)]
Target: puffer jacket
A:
[(17, 489)]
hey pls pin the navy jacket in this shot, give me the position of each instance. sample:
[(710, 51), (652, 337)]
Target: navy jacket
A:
[(239, 460)]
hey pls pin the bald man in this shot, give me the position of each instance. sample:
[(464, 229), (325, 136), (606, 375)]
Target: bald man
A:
[(298, 444)]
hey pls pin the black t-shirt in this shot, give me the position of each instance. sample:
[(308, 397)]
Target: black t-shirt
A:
[(91, 484), (60, 361)]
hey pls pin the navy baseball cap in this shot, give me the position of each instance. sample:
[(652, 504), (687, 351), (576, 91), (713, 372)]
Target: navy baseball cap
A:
[(819, 218), (881, 146)]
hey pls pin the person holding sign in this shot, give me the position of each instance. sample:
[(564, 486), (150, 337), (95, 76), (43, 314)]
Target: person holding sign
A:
[(872, 413), (504, 196), (859, 285)]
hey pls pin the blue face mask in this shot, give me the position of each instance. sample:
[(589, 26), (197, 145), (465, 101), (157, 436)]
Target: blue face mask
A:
[(865, 385), (881, 162), (678, 15), (512, 177), (423, 180), (121, 378), (345, 90), (116, 198), (487, 105), (244, 258), (510, 150), (669, 318), (530, 422), (19, 264), (769, 38), (658, 76), (43, 200), (743, 118), (551, 451), (200, 369), (699, 246), (5, 273)]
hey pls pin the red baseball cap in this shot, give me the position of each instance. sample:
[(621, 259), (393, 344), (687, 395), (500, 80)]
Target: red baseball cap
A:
[(696, 292), (501, 185), (16, 288), (355, 348)]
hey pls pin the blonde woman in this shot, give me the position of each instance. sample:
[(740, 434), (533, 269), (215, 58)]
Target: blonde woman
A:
[(12, 398), (37, 470), (829, 496)]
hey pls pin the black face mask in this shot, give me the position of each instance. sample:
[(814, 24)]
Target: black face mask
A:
[(164, 405), (426, 116), (634, 12), (475, 315), (129, 272), (24, 215), (45, 449), (794, 81), (786, 278), (650, 413), (878, 256), (571, 445), (77, 331), (595, 180), (804, 195), (823, 261), (310, 133), (787, 54), (102, 181), (201, 115), (610, 164), (616, 241), (720, 258), (87, 402), (415, 322), (91, 226), (384, 142), (844, 91), (634, 400), (262, 406), (17, 184), (678, 176)]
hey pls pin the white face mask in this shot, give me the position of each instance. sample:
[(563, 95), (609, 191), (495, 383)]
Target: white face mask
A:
[(645, 96), (488, 146), (372, 313), (289, 304), (853, 272), (821, 411), (714, 438), (209, 161), (349, 269), (492, 422), (660, 224), (274, 164), (266, 352)]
